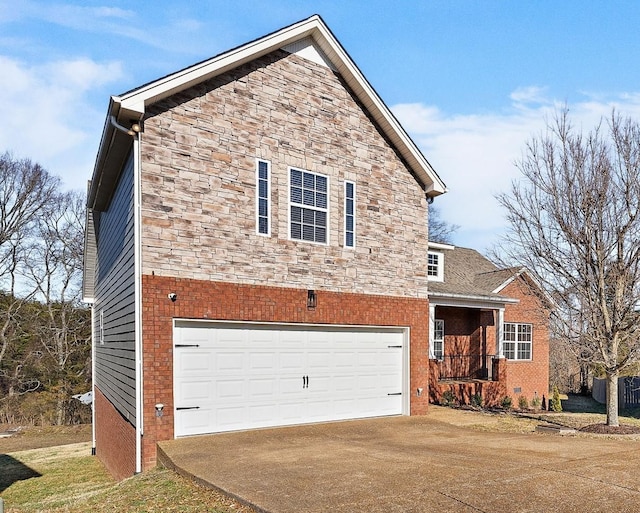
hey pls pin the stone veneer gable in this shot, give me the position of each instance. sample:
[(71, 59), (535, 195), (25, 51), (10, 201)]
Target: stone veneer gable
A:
[(198, 154)]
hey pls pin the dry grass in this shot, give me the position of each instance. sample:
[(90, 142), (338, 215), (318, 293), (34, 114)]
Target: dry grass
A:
[(68, 479)]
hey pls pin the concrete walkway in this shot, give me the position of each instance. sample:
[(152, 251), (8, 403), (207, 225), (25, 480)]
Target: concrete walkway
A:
[(412, 464)]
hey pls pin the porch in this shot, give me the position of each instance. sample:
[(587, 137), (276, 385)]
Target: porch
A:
[(466, 378)]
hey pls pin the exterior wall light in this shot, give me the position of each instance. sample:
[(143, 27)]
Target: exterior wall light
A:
[(312, 299)]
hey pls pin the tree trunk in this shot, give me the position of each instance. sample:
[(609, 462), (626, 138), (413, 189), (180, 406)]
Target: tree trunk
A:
[(612, 399)]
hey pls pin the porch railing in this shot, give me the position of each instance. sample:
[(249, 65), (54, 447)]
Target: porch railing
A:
[(467, 366)]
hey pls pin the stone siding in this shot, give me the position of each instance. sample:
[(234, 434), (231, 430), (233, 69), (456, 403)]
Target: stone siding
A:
[(199, 151)]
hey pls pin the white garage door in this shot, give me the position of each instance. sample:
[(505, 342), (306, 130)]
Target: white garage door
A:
[(232, 377)]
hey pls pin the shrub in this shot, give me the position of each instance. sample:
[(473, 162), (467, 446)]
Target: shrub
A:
[(523, 403), (477, 400), (556, 403), (448, 398), (506, 402), (536, 402)]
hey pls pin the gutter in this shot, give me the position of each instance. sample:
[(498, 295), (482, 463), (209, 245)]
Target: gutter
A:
[(472, 297)]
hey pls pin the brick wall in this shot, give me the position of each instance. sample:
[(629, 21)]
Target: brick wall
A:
[(115, 438), (199, 299), (198, 154), (529, 376)]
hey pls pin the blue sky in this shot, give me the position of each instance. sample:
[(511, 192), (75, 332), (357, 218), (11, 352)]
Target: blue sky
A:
[(471, 81)]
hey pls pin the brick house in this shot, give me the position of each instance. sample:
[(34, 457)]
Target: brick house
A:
[(256, 250), (488, 329)]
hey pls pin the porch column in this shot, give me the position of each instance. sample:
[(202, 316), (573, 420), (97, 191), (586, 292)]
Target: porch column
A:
[(500, 334), (432, 322)]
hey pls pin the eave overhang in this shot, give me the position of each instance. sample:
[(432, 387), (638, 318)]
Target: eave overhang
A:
[(478, 301), (130, 107)]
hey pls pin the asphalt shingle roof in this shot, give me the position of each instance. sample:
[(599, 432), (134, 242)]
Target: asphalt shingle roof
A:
[(468, 273)]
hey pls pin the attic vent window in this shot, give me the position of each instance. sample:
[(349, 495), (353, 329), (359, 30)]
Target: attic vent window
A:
[(435, 266)]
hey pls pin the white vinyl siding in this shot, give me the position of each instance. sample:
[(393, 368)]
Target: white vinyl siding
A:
[(308, 206), (349, 214), (517, 341), (263, 195)]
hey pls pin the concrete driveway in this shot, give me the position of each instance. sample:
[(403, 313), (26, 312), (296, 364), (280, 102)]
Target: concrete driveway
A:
[(417, 464)]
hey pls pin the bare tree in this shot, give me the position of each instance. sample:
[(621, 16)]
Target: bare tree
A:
[(25, 189), (439, 229), (44, 332), (55, 268), (575, 222)]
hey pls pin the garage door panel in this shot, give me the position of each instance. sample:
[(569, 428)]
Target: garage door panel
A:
[(262, 361), (229, 362), (227, 389), (244, 377), (261, 388), (319, 359), (195, 362), (292, 361), (193, 422), (198, 391)]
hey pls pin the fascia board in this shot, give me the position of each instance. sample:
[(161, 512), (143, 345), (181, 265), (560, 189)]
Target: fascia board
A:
[(137, 100), (525, 272)]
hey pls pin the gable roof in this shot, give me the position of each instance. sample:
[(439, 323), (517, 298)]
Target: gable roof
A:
[(313, 39), (467, 274)]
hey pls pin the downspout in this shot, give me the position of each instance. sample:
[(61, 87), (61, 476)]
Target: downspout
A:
[(134, 132), (138, 299), (93, 380)]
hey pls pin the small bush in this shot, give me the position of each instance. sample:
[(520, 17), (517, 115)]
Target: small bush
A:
[(477, 401), (556, 403), (506, 402), (523, 403), (448, 398), (536, 402)]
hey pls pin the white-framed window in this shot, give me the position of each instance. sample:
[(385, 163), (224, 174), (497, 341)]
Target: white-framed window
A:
[(438, 338), (263, 197), (349, 214), (101, 328), (435, 266), (517, 341), (308, 206)]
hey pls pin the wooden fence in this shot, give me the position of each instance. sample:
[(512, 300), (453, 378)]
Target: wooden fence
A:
[(628, 391)]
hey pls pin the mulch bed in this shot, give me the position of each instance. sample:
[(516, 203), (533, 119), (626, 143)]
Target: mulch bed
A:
[(603, 429)]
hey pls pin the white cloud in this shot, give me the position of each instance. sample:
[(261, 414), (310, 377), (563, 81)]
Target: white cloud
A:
[(47, 116), (529, 95), (475, 154)]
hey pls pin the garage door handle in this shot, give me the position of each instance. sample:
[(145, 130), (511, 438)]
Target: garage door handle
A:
[(396, 393), (188, 408), (394, 347), (187, 345), (305, 381)]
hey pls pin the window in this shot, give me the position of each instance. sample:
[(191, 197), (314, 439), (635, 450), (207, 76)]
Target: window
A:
[(435, 266), (309, 206), (101, 328), (349, 214), (517, 341), (438, 339), (263, 186)]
